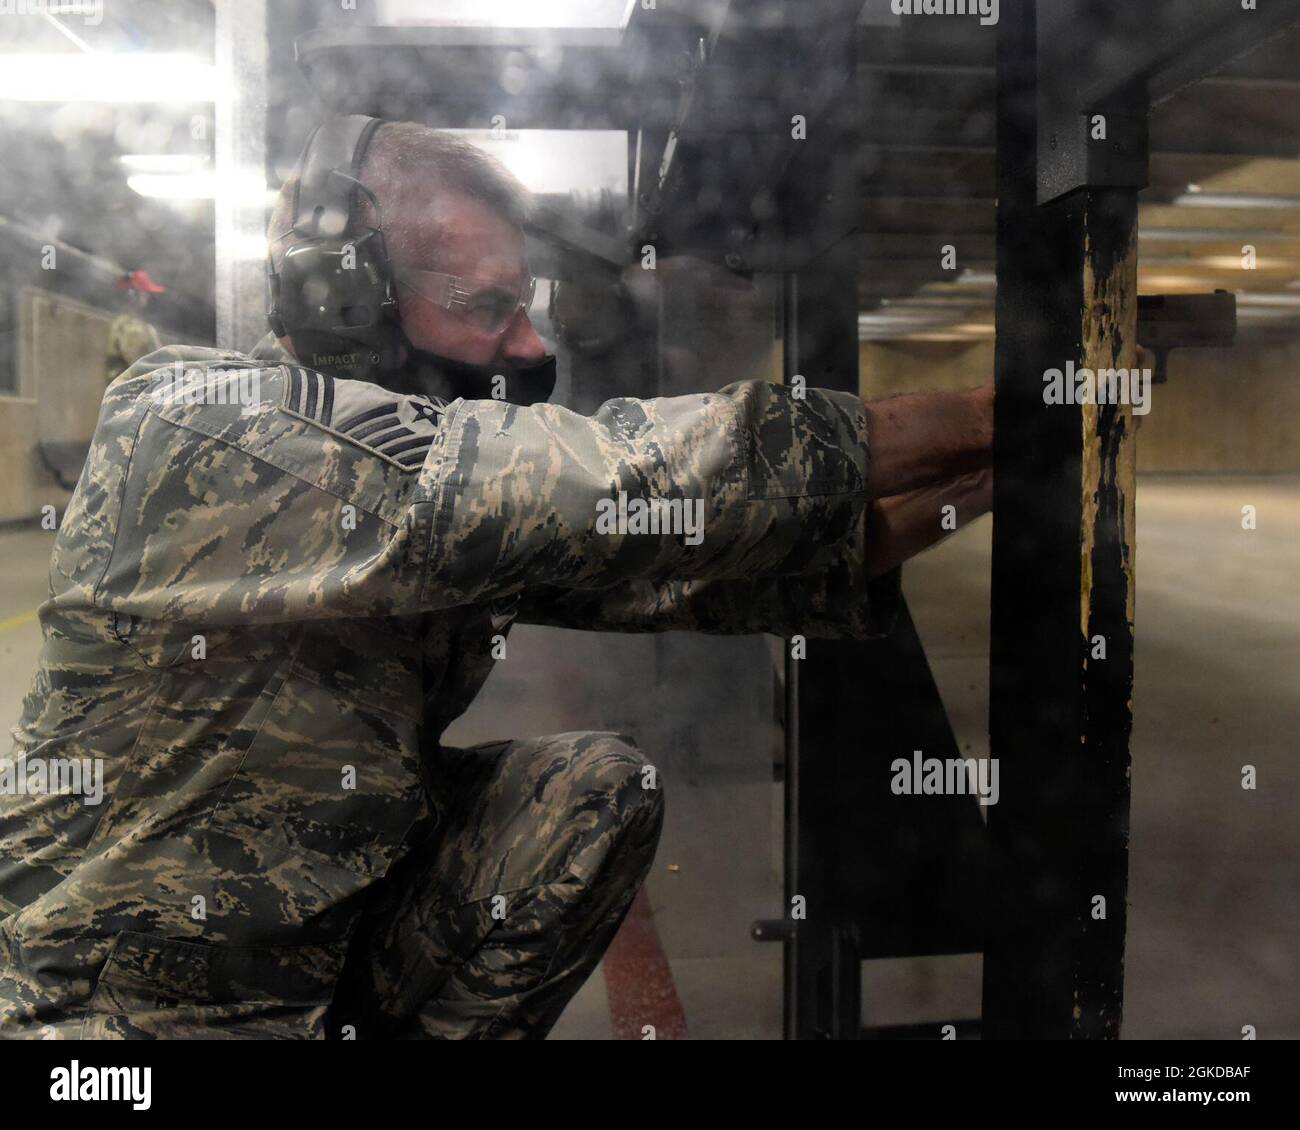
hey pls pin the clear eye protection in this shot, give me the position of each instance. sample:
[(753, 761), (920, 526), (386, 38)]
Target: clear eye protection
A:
[(488, 306)]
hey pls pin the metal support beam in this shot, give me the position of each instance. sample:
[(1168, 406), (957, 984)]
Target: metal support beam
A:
[(1062, 601), (821, 994), (841, 817), (240, 157), (816, 208)]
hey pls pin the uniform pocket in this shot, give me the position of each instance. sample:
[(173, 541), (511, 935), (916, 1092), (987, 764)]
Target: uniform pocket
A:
[(325, 779), (166, 988)]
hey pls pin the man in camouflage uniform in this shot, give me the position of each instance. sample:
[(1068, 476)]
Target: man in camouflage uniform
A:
[(129, 338), (268, 601)]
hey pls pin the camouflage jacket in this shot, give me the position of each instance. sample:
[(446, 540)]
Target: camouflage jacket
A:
[(270, 594)]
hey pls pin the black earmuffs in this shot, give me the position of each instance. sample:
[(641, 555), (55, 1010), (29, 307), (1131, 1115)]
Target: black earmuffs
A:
[(334, 295)]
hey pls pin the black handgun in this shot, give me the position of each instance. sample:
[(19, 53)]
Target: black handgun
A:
[(1173, 321)]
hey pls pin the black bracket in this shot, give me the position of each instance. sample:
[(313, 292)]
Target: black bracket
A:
[(1081, 142)]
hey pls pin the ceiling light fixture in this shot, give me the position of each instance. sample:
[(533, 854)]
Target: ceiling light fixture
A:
[(137, 76)]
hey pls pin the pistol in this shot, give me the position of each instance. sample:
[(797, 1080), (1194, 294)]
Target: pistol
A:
[(1173, 321)]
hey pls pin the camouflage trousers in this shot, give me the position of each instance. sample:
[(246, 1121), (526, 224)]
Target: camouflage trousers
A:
[(487, 929)]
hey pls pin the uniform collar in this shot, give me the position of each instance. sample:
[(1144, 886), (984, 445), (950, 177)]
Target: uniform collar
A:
[(270, 349)]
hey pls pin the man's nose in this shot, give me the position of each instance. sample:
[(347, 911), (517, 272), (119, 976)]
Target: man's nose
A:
[(521, 342)]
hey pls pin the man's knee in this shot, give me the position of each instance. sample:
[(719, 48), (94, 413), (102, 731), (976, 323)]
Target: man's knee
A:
[(607, 760), (607, 769)]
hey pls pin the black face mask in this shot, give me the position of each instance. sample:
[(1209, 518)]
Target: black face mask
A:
[(441, 378)]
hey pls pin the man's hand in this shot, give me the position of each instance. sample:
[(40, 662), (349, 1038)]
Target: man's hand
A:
[(901, 526)]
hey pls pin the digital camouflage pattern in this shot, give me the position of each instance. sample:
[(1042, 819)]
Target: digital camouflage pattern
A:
[(262, 617), (560, 831)]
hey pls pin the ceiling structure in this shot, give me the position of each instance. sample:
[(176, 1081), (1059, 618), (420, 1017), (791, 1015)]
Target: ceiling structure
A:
[(707, 89)]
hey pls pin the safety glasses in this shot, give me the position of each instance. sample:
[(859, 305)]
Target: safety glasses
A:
[(487, 306)]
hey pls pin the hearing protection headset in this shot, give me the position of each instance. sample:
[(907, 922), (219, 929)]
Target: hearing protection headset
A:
[(334, 295)]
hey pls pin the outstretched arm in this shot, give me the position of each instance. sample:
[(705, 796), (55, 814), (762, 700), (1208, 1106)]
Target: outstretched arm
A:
[(954, 431), (340, 498), (918, 439)]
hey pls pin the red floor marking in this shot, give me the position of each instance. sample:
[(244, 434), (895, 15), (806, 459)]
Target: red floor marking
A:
[(639, 981)]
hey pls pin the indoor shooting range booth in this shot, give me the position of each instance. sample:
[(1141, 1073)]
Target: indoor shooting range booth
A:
[(845, 169)]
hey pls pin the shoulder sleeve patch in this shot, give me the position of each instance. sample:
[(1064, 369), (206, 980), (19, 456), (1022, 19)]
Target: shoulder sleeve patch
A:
[(399, 428)]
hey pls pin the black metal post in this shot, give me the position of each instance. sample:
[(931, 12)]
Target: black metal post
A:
[(822, 976), (1062, 611)]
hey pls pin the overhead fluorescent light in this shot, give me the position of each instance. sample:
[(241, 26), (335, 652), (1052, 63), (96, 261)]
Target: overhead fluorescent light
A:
[(504, 13), (247, 188), (1153, 282), (1200, 199), (1215, 235), (132, 76), (1219, 262), (1267, 298), (163, 162), (559, 162)]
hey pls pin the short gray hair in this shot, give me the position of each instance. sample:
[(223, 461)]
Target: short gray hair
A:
[(409, 164)]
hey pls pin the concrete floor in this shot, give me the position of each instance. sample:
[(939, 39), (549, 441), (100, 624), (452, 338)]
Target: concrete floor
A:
[(1214, 876), (1214, 881)]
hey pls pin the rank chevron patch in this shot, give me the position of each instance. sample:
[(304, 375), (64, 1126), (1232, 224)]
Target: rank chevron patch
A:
[(400, 428)]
